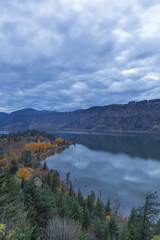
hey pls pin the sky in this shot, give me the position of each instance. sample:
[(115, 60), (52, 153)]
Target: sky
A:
[(73, 54)]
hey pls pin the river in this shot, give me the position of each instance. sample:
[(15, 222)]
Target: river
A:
[(122, 167)]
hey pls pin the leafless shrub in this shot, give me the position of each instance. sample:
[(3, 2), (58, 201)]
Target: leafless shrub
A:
[(61, 229)]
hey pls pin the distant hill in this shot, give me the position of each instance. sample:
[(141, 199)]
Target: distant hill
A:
[(134, 116)]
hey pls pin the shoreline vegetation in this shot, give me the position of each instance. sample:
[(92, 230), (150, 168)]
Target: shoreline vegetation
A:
[(36, 204)]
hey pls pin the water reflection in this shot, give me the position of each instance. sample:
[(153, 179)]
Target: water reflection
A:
[(118, 176), (145, 146), (115, 164)]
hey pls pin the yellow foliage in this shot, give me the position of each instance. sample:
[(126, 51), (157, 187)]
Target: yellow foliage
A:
[(38, 147), (55, 145), (24, 172), (108, 218), (59, 140)]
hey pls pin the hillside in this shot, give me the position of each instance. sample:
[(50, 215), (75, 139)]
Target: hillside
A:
[(134, 116)]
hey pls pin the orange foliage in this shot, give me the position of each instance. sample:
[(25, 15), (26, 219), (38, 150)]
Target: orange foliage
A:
[(38, 147), (24, 173), (108, 218), (55, 146), (59, 140)]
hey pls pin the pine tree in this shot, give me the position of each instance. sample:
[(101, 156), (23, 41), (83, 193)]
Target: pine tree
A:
[(45, 167), (132, 220), (67, 180), (108, 207), (113, 228), (39, 202), (132, 235), (97, 228), (124, 233), (99, 208), (71, 190), (106, 232), (13, 167), (90, 203), (86, 218), (75, 210), (80, 198), (148, 214), (55, 181), (157, 228), (9, 191)]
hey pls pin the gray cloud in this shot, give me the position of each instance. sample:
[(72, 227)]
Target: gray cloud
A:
[(65, 55)]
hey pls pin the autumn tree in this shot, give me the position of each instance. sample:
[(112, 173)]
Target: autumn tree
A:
[(59, 140), (24, 173)]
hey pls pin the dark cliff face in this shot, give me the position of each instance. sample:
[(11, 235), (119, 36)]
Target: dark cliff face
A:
[(134, 116)]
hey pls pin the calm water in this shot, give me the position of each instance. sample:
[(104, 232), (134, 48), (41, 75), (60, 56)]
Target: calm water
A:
[(116, 166)]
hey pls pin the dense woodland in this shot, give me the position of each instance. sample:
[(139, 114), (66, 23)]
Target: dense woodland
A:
[(36, 204), (134, 116)]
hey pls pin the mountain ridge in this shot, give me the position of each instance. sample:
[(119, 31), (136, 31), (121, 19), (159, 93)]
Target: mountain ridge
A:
[(133, 116)]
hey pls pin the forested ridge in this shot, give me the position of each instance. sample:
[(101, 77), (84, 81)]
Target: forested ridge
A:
[(134, 116), (35, 203)]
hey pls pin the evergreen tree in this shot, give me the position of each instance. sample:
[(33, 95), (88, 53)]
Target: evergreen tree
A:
[(132, 220), (90, 205), (97, 228), (13, 167), (81, 236), (39, 202), (71, 190), (132, 235), (22, 182), (55, 181), (147, 216), (67, 180), (86, 218), (113, 228), (92, 197), (26, 158), (124, 233), (9, 191), (99, 208), (106, 232), (45, 167), (133, 224), (62, 205), (157, 228), (75, 210), (80, 198), (108, 207)]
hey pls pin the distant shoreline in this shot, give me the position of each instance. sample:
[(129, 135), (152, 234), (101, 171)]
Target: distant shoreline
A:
[(83, 131)]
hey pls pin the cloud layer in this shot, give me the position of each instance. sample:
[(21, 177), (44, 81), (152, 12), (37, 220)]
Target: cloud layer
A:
[(63, 55)]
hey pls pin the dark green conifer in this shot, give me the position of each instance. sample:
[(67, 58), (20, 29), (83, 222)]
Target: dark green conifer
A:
[(13, 167), (124, 235), (86, 218), (108, 207), (99, 208), (97, 228), (113, 228), (9, 192)]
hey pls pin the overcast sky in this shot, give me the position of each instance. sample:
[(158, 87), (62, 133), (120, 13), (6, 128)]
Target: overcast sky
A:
[(69, 54)]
